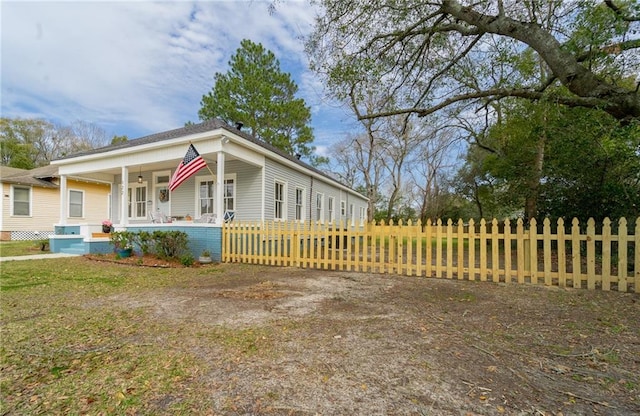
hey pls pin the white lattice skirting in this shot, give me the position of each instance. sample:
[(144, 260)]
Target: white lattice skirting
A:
[(30, 235)]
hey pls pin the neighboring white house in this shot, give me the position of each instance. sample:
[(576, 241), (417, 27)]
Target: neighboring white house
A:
[(244, 176)]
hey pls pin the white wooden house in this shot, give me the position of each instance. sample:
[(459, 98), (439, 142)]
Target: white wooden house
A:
[(244, 177)]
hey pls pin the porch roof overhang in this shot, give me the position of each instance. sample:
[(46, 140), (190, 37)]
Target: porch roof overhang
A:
[(163, 151)]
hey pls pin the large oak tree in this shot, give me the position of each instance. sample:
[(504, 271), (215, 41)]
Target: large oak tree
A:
[(461, 55)]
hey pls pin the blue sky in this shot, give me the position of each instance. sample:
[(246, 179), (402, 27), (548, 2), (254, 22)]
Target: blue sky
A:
[(136, 68)]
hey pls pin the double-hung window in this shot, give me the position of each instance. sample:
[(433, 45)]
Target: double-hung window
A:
[(76, 204), (205, 196), (137, 199), (319, 206), (229, 195), (21, 202), (299, 204), (279, 201), (363, 215)]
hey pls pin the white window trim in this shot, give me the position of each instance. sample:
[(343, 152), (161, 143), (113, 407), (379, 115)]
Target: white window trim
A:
[(352, 214), (343, 208), (303, 207), (196, 202), (331, 208), (198, 179), (363, 215), (83, 204), (284, 200), (133, 186), (233, 177), (320, 207), (12, 200)]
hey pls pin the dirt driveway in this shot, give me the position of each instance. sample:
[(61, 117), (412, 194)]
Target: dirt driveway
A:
[(337, 343)]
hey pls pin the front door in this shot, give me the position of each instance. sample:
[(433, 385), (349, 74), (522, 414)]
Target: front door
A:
[(161, 194)]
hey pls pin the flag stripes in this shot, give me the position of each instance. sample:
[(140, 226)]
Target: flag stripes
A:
[(190, 164)]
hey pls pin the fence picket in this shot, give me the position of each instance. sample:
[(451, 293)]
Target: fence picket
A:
[(591, 254), (546, 247), (606, 254), (562, 263), (483, 250)]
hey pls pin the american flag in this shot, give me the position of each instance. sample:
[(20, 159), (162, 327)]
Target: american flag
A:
[(191, 163)]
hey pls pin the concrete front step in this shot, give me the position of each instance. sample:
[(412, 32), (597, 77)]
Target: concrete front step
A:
[(77, 248)]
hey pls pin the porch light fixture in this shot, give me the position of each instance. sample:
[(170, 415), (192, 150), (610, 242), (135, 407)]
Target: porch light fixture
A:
[(140, 176)]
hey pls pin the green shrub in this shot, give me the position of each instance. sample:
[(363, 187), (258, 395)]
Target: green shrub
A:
[(187, 260), (144, 240), (170, 244)]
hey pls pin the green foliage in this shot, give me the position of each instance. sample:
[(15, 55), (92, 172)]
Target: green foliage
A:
[(255, 92), (164, 244), (170, 244), (30, 143), (122, 240), (119, 139), (589, 169), (144, 240), (187, 260)]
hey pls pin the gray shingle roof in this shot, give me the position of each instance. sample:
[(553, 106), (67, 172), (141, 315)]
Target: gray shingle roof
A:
[(41, 176), (195, 129)]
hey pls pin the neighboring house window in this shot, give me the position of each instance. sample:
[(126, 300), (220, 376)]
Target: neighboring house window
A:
[(343, 208), (229, 195), (279, 197), (76, 204), (299, 204), (332, 216), (21, 201), (137, 198), (205, 196), (320, 207), (351, 212), (363, 215)]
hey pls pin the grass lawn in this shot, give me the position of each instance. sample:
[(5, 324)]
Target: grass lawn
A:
[(81, 336), (61, 353), (23, 248)]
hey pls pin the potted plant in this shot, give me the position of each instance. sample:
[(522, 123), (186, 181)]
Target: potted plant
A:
[(205, 257), (107, 226), (122, 242)]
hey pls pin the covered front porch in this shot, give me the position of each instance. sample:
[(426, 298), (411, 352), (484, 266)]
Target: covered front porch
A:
[(139, 173)]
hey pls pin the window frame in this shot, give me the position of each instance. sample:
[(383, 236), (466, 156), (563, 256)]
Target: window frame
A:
[(320, 206), (29, 201), (82, 203), (331, 209), (133, 203), (280, 204), (300, 209), (198, 207)]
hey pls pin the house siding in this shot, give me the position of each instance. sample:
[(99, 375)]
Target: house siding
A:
[(293, 179), (248, 189), (45, 210)]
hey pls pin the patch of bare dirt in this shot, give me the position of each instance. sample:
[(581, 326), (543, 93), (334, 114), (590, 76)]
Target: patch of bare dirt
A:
[(338, 343)]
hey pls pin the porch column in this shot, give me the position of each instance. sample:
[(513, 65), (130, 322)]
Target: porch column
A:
[(63, 200), (124, 217), (220, 188)]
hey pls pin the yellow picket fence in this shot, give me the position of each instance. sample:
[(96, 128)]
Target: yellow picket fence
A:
[(604, 256)]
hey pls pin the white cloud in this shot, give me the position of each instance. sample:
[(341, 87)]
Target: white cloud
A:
[(140, 67)]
